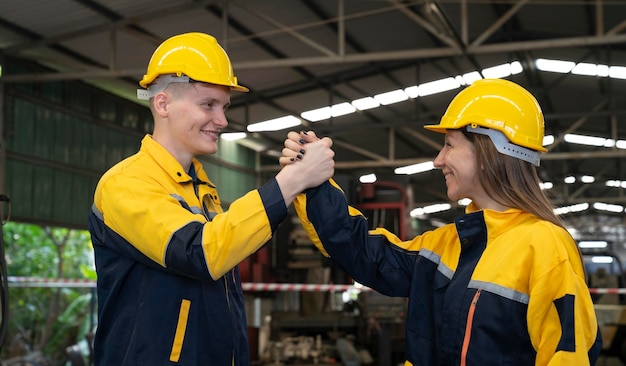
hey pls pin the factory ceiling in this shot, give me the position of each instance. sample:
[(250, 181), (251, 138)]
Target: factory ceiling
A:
[(301, 55)]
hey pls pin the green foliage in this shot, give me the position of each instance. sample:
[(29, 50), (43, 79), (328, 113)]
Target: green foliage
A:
[(47, 319)]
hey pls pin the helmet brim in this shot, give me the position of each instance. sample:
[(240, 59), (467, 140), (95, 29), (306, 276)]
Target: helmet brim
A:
[(436, 128)]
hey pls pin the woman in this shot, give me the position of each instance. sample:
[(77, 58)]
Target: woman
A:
[(502, 285)]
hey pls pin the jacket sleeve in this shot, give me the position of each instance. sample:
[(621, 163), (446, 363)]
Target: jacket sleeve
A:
[(375, 258), (562, 321), (161, 231)]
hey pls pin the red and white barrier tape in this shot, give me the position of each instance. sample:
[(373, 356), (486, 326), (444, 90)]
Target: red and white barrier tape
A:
[(297, 287), (48, 282), (247, 286), (607, 290)]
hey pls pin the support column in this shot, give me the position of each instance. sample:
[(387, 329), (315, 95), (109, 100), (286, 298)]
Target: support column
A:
[(3, 162)]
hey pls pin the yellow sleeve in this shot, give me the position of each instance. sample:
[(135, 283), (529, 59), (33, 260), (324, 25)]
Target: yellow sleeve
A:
[(561, 318)]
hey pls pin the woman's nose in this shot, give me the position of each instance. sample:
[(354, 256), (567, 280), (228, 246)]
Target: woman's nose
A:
[(438, 162)]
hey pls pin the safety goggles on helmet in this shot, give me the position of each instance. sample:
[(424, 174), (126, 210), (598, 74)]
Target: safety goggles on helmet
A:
[(159, 84), (504, 146)]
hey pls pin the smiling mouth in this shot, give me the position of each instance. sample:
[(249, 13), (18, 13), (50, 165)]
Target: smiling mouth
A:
[(211, 133)]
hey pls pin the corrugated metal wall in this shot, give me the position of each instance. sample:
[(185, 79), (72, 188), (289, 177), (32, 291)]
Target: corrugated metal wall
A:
[(61, 136)]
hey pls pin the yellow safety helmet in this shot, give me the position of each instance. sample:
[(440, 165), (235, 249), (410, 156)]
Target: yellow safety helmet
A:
[(195, 56), (504, 111)]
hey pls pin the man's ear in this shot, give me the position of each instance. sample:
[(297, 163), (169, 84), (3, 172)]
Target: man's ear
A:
[(161, 103)]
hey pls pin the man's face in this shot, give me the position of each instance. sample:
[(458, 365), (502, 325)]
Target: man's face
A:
[(196, 114)]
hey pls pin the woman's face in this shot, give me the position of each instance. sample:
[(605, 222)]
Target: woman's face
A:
[(457, 161)]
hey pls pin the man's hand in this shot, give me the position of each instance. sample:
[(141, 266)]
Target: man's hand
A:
[(307, 162)]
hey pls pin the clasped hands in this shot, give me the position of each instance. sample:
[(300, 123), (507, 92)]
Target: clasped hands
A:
[(311, 155)]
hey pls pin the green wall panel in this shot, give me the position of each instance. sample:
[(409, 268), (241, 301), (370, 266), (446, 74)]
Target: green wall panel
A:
[(47, 195), (19, 188), (231, 184)]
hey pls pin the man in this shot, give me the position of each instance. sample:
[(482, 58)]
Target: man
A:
[(166, 254)]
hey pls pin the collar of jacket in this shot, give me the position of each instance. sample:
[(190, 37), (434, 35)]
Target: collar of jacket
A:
[(498, 222), (170, 165)]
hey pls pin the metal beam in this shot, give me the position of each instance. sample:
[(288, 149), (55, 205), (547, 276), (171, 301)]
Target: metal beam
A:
[(117, 25), (420, 53), (498, 23)]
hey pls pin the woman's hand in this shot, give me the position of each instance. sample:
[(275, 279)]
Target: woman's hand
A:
[(295, 146), (307, 162)]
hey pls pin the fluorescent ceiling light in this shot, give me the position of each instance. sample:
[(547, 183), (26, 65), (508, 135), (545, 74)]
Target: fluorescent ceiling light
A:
[(616, 183), (275, 124), (548, 140), (437, 86), (437, 207), (569, 180), (336, 110), (318, 114), (617, 72), (588, 69), (430, 209), (608, 207), (391, 97), (546, 185), (464, 201), (502, 71), (342, 109), (620, 144), (584, 68), (368, 178), (603, 70), (412, 91), (573, 208), (593, 244), (588, 140), (470, 77), (554, 65), (602, 259), (365, 103), (516, 68), (587, 179), (232, 136), (415, 168)]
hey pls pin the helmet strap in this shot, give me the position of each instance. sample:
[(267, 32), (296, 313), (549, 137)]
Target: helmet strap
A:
[(159, 84), (504, 146)]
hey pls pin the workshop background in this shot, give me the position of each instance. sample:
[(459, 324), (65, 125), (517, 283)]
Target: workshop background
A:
[(369, 74)]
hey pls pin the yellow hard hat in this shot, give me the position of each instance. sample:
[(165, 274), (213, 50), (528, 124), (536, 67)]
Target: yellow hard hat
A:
[(497, 105), (197, 56)]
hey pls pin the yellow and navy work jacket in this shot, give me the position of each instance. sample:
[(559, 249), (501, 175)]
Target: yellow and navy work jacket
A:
[(168, 287), (493, 288)]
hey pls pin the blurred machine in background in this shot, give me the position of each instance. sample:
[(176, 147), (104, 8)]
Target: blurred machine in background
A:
[(351, 326)]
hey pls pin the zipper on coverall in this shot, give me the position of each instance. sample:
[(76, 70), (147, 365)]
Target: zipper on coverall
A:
[(468, 327), (208, 206)]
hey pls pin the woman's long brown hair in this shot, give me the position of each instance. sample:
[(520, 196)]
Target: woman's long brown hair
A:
[(513, 182), (510, 181)]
